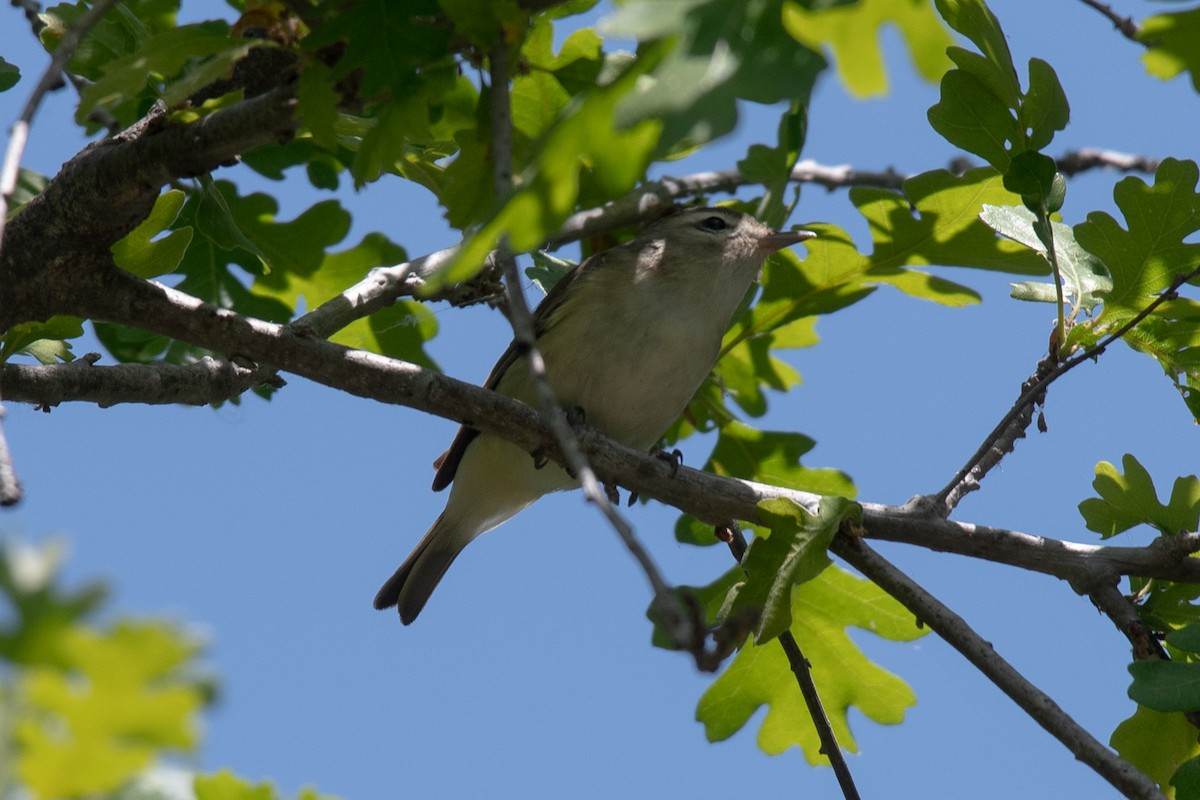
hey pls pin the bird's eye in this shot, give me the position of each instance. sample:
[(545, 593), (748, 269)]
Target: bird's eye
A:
[(714, 224)]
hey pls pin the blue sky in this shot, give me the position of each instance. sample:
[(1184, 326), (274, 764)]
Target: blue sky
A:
[(268, 526)]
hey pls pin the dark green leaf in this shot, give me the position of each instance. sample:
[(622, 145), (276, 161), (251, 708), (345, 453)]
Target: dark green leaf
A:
[(773, 457), (547, 270), (973, 19), (1166, 685), (970, 116), (1186, 780), (38, 609), (1031, 174), (1187, 638), (9, 75), (720, 52), (1044, 110)]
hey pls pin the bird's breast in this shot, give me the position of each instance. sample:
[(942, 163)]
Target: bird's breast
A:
[(633, 380)]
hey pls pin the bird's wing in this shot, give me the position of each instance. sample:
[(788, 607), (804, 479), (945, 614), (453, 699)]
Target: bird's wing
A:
[(543, 319)]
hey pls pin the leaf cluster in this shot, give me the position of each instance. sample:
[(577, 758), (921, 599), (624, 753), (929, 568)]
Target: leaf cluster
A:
[(400, 91)]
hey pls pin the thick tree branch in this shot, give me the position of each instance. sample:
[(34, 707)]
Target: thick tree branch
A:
[(122, 298), (109, 187), (10, 484), (208, 381)]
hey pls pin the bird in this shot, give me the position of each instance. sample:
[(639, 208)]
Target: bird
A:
[(627, 337)]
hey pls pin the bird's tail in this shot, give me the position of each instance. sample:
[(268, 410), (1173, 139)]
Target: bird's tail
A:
[(412, 584)]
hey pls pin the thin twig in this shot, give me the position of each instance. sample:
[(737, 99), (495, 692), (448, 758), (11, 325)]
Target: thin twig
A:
[(801, 668), (1084, 159), (1105, 593), (1128, 28), (967, 479), (1036, 703), (667, 605), (648, 202)]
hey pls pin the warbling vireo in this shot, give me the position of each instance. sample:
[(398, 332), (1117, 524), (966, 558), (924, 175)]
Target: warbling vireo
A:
[(628, 336)]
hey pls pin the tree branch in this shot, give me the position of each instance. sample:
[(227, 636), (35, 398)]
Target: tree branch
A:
[(1040, 706), (1128, 28), (125, 299), (109, 187), (10, 484), (801, 668), (207, 382), (1033, 392), (384, 285)]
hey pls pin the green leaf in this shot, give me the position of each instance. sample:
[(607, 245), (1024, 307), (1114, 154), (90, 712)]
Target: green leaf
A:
[(387, 45), (40, 611), (317, 103), (1166, 605), (45, 341), (9, 75), (973, 19), (1045, 110), (224, 785), (1170, 41), (399, 331), (204, 50), (970, 116), (1186, 638), (1171, 335), (711, 598), (852, 31), (127, 695), (936, 221), (146, 257), (1186, 780), (29, 185), (588, 139), (1085, 278), (1166, 685), (1155, 743), (484, 22), (1143, 261), (404, 121), (547, 270), (248, 223), (1145, 258), (772, 166), (773, 457), (716, 54), (822, 610), (793, 553), (1031, 175), (1130, 499)]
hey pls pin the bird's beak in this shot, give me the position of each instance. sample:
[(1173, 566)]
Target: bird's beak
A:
[(782, 239)]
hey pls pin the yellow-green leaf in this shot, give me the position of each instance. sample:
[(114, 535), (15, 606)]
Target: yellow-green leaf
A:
[(822, 609)]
